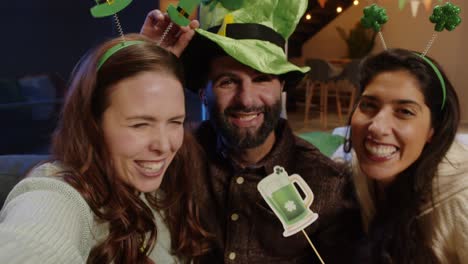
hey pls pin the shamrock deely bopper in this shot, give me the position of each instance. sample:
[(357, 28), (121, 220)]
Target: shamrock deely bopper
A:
[(374, 17), (446, 17), (281, 195), (106, 8)]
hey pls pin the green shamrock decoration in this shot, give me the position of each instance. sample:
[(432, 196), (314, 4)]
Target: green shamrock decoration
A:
[(228, 4), (374, 17), (445, 17)]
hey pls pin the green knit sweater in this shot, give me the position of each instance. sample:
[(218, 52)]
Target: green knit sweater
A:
[(45, 220)]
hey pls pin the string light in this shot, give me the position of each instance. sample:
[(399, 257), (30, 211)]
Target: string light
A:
[(339, 9), (308, 16), (356, 2)]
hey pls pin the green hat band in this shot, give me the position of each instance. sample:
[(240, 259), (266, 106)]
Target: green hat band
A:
[(252, 31), (114, 49), (182, 12)]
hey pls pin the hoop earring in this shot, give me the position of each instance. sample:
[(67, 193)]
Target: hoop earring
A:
[(347, 144)]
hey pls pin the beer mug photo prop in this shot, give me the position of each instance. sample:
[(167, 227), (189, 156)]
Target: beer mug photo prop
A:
[(281, 195)]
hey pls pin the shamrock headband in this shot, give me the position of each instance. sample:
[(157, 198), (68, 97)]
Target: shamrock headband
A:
[(444, 17)]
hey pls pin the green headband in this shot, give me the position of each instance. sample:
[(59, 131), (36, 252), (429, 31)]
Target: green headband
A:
[(439, 75), (116, 48)]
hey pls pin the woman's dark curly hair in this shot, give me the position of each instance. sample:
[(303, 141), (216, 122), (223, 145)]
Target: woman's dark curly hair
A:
[(395, 234)]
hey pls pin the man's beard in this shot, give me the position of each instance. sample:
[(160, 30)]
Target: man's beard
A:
[(244, 138)]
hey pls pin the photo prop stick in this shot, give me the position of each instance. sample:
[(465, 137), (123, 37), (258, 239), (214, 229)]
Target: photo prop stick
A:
[(106, 8), (374, 17), (280, 193), (179, 15), (444, 17)]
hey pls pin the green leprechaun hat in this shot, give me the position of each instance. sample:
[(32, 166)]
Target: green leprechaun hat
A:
[(108, 7), (251, 31)]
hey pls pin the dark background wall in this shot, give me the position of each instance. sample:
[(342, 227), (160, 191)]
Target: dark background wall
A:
[(47, 38), (50, 35)]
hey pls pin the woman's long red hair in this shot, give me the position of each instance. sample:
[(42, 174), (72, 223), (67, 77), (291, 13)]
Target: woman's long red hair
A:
[(79, 144)]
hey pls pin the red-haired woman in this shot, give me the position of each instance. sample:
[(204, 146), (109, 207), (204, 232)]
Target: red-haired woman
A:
[(119, 187)]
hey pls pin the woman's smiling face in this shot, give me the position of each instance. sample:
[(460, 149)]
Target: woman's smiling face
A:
[(143, 127), (391, 125)]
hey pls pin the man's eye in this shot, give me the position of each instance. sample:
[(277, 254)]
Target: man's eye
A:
[(226, 83), (139, 125), (264, 78), (177, 122)]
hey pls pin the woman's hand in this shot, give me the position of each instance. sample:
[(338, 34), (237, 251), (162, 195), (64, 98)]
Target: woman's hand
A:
[(176, 39)]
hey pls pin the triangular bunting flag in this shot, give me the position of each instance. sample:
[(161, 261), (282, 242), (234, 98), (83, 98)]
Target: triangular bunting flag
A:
[(401, 4), (322, 3), (414, 7), (427, 4)]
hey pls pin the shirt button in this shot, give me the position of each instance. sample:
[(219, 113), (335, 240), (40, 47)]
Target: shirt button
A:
[(240, 180), (232, 256), (234, 217)]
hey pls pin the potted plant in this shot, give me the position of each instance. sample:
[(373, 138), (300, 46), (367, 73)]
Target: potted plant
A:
[(359, 40)]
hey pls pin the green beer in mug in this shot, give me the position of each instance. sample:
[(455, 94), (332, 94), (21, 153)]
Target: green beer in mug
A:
[(289, 203), (281, 195)]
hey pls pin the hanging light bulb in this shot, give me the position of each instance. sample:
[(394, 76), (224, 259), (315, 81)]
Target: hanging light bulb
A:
[(356, 2), (339, 9), (308, 16)]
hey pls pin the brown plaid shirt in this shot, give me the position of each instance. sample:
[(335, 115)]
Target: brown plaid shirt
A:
[(247, 231)]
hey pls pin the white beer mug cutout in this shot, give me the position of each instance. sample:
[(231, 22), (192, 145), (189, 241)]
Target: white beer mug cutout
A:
[(281, 195)]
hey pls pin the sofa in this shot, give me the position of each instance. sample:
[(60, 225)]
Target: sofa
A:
[(13, 168), (29, 109)]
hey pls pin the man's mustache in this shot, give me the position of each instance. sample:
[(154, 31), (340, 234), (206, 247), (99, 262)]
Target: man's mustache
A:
[(236, 109)]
